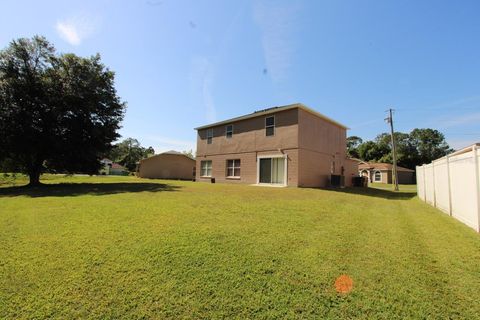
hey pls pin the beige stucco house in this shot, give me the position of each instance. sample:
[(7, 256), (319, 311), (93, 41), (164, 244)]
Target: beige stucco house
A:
[(167, 165), (290, 145), (383, 172)]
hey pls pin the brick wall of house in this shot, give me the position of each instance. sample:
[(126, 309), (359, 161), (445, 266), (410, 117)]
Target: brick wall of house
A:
[(311, 142), (249, 136), (248, 167)]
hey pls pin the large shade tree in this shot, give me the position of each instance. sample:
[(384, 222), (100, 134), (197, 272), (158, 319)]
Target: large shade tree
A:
[(57, 112)]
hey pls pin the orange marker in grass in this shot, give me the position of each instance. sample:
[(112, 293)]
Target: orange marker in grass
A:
[(344, 284)]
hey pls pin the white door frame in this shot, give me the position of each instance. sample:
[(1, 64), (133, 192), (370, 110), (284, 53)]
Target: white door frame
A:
[(284, 156)]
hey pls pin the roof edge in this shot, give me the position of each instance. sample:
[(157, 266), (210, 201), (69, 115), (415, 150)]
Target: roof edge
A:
[(166, 153)]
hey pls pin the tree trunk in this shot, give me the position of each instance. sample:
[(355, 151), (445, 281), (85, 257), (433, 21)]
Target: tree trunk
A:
[(34, 178)]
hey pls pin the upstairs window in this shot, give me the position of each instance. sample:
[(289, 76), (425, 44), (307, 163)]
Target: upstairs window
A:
[(233, 168), (270, 126), (209, 136), (229, 131), (206, 168)]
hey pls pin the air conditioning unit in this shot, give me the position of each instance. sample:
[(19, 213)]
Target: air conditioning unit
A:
[(337, 180)]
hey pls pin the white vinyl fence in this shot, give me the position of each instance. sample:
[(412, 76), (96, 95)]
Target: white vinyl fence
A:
[(452, 184)]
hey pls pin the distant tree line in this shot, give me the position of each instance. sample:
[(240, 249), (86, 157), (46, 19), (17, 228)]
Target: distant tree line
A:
[(418, 147)]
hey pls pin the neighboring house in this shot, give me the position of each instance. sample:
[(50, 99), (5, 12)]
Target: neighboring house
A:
[(383, 172), (118, 170), (112, 168), (291, 145), (167, 165), (106, 165), (106, 162)]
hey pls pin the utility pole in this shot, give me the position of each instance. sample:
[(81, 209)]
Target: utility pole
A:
[(394, 150)]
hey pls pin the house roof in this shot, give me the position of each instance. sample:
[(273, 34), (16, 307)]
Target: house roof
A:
[(360, 161), (117, 166), (171, 152), (268, 111), (381, 166)]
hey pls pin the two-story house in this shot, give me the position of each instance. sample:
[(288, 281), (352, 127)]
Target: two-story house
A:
[(291, 145)]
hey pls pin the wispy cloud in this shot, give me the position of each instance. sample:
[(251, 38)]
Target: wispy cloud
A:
[(77, 28), (461, 120), (202, 77), (277, 23), (463, 103), (458, 144)]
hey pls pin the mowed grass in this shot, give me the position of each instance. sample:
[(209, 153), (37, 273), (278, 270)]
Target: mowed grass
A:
[(123, 247)]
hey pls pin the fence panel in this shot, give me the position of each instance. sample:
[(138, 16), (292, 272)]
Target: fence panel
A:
[(429, 185), (441, 184), (452, 184), (420, 183), (464, 189)]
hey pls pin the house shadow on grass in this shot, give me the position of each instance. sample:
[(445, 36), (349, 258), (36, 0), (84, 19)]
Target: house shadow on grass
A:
[(78, 189), (379, 193)]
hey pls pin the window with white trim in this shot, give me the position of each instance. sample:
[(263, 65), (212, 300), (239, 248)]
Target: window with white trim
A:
[(233, 168), (206, 168), (209, 136), (377, 176), (229, 131), (270, 126)]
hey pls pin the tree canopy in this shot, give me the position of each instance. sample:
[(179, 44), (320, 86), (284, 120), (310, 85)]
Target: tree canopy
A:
[(353, 142), (57, 112), (128, 152), (415, 148)]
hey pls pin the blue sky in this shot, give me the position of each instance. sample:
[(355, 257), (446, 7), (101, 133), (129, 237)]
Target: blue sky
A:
[(180, 64)]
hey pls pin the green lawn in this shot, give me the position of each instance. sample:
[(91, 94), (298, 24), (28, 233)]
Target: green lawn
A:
[(122, 247)]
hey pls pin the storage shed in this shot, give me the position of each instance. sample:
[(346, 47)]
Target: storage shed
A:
[(167, 165)]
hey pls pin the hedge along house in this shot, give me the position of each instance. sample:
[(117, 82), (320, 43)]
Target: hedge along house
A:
[(290, 145), (167, 165), (383, 173)]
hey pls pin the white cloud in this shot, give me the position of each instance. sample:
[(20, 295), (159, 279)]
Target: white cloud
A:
[(202, 78), (277, 24), (76, 29)]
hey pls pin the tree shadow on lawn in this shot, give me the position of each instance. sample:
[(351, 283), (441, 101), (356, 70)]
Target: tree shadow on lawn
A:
[(78, 189), (379, 193)]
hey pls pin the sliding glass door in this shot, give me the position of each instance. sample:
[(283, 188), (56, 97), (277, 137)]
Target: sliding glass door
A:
[(272, 170)]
